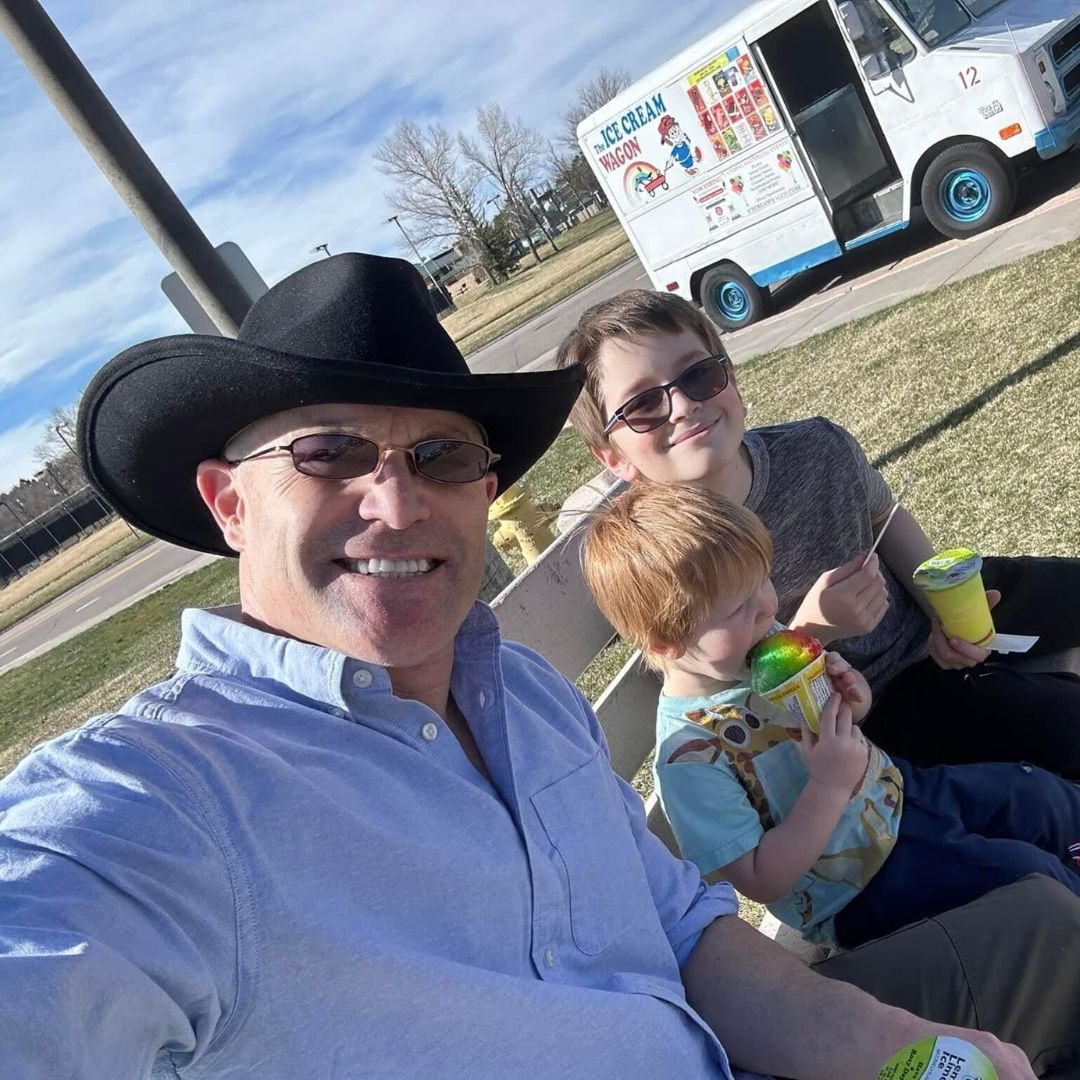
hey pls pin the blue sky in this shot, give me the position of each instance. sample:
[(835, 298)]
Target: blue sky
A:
[(263, 115)]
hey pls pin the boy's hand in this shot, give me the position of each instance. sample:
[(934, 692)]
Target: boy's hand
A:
[(844, 602), (850, 684), (838, 755), (952, 653)]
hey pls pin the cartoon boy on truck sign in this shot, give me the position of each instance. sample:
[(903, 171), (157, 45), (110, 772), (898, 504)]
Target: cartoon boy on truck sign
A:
[(682, 153)]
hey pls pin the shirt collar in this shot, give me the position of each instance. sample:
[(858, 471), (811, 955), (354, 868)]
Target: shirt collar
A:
[(218, 641)]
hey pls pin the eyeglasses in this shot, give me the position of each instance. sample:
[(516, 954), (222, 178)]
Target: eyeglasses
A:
[(337, 456), (651, 408)]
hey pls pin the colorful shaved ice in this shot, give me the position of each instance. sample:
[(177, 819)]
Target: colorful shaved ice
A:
[(779, 656)]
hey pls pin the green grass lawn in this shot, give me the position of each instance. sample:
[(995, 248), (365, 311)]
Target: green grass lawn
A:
[(971, 389)]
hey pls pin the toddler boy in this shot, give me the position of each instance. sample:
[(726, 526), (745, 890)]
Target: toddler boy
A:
[(841, 841)]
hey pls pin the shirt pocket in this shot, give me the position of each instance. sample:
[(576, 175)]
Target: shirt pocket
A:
[(585, 819)]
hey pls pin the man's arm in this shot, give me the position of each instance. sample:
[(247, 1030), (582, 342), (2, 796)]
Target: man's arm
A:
[(776, 1016), (117, 917)]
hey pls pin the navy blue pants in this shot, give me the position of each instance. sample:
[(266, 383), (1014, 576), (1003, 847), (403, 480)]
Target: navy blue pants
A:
[(964, 831)]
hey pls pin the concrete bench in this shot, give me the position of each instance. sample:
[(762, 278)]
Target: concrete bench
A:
[(549, 608)]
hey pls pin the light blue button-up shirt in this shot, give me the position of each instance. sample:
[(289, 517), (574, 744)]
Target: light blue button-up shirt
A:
[(269, 866)]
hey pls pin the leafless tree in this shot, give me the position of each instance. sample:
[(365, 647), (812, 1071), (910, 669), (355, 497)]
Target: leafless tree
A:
[(569, 170), (52, 447), (591, 96), (437, 192), (509, 153)]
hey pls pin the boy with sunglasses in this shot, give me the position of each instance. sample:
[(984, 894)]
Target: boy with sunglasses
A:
[(660, 403)]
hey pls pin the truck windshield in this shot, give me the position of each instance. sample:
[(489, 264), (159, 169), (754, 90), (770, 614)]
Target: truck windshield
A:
[(936, 20)]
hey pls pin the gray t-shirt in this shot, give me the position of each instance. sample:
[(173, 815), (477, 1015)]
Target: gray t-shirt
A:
[(817, 494)]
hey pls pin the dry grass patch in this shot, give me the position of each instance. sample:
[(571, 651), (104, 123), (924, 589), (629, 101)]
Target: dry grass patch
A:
[(587, 252), (970, 389)]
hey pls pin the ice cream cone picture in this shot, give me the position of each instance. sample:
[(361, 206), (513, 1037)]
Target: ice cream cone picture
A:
[(738, 202), (784, 162)]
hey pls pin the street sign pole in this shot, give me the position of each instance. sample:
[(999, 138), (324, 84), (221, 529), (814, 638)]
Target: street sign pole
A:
[(49, 58)]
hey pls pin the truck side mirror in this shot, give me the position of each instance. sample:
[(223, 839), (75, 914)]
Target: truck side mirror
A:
[(853, 23)]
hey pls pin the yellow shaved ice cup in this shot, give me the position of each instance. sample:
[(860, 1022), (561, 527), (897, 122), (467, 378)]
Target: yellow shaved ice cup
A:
[(952, 582)]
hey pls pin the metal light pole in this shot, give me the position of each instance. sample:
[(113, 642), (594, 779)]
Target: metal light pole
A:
[(109, 511), (18, 532), (423, 263), (98, 126), (324, 248)]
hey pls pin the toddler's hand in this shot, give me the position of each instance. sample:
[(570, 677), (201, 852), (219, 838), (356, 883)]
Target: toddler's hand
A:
[(845, 602), (837, 756), (953, 653), (850, 684)]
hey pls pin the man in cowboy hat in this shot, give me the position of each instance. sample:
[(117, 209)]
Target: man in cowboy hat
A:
[(355, 834)]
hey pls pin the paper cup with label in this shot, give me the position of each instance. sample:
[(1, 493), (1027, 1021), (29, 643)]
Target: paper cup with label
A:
[(944, 1058), (952, 582), (787, 668)]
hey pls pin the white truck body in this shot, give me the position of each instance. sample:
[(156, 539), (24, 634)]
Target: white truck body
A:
[(805, 128)]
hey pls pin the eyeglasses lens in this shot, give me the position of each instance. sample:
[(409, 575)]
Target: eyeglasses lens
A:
[(450, 461), (334, 457), (699, 382)]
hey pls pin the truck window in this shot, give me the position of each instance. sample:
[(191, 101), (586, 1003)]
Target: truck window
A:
[(936, 20), (881, 44)]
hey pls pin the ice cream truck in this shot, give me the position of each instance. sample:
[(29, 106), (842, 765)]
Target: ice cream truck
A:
[(803, 129)]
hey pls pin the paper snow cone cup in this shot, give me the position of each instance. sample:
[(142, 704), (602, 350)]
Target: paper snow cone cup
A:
[(952, 582), (944, 1058), (805, 694)]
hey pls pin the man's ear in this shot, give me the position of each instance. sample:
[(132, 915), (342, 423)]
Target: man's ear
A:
[(216, 482), (665, 649), (491, 485), (614, 462)]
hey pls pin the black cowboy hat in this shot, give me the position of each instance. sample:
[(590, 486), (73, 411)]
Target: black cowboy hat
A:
[(351, 328)]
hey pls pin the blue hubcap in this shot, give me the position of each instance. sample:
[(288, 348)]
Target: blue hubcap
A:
[(965, 195), (733, 301)]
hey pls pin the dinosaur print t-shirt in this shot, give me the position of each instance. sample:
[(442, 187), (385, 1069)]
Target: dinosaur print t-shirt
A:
[(728, 769)]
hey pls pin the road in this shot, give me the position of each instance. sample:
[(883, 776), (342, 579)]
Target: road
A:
[(141, 573), (904, 264)]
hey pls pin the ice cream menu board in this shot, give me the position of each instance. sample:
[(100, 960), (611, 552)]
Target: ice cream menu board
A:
[(732, 103)]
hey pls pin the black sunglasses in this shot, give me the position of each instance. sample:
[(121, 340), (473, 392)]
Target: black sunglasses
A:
[(651, 408), (336, 456)]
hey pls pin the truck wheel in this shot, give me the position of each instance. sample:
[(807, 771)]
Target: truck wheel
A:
[(730, 297), (968, 189)]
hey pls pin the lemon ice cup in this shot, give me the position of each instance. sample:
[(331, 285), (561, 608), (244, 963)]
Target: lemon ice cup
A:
[(952, 582)]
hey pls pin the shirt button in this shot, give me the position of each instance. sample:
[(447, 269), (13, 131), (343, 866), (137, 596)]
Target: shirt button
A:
[(549, 957), (430, 732), (361, 678), (483, 699)]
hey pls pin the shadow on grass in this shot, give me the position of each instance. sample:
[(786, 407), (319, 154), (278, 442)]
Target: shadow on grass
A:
[(980, 401)]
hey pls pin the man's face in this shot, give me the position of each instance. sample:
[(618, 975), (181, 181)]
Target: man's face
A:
[(306, 541)]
